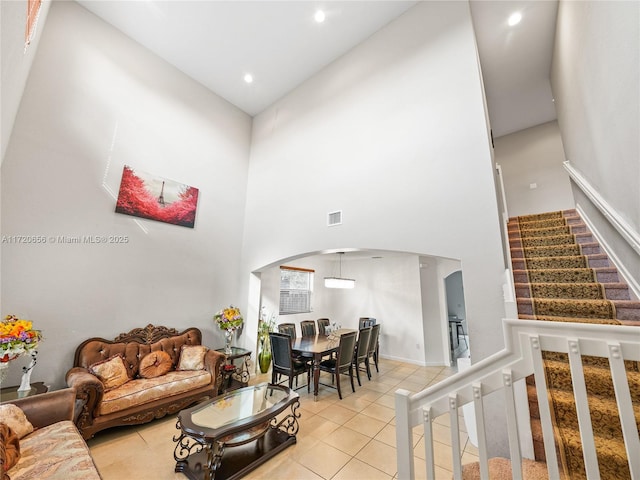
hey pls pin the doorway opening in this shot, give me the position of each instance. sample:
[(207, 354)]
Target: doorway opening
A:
[(456, 313)]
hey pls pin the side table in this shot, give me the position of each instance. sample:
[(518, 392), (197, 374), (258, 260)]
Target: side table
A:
[(235, 376), (12, 393)]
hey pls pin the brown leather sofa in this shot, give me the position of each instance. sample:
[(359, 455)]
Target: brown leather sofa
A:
[(139, 400), (55, 449)]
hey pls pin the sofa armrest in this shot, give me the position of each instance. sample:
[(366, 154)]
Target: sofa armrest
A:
[(48, 408), (212, 363), (89, 391)]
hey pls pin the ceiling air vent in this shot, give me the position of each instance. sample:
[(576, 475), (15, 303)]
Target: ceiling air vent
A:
[(334, 218)]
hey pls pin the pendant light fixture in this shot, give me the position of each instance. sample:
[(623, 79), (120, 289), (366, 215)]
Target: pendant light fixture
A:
[(339, 281)]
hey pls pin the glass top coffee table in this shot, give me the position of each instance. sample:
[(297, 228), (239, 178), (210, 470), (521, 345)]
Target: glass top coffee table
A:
[(227, 437)]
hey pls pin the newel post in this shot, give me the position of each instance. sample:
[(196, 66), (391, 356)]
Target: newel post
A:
[(404, 436)]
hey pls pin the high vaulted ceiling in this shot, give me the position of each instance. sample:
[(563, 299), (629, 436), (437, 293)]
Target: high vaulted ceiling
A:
[(281, 45)]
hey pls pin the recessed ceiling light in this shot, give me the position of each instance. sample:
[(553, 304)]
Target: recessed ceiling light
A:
[(319, 16), (248, 78), (514, 19)]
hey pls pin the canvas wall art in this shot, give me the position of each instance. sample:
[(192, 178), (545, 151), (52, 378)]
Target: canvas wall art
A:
[(149, 196)]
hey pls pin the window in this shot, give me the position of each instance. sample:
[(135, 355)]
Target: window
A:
[(296, 287), (33, 9)]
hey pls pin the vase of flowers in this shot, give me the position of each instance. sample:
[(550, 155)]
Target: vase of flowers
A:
[(228, 319), (266, 325), (17, 338)]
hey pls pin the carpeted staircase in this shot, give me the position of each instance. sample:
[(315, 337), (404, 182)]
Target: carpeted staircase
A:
[(562, 275)]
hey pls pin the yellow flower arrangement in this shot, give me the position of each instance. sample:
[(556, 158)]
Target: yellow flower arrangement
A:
[(229, 318), (17, 337)]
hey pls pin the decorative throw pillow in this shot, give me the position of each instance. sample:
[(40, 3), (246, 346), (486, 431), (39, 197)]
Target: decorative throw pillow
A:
[(9, 449), (15, 418), (192, 357), (155, 364), (111, 372)]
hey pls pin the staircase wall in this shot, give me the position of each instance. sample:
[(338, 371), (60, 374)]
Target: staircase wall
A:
[(534, 156), (594, 78)]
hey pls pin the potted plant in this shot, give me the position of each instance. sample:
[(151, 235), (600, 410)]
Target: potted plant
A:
[(265, 326)]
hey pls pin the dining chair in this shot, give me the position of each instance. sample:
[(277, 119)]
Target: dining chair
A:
[(364, 322), (323, 323), (372, 351), (285, 363), (288, 329), (362, 350), (308, 328), (342, 364)]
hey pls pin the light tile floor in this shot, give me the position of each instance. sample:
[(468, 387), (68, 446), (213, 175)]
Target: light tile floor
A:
[(348, 439)]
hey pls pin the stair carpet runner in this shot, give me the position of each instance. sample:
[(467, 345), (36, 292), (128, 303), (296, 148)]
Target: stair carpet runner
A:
[(561, 275)]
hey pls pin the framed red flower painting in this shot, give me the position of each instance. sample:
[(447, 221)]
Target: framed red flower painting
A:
[(148, 196)]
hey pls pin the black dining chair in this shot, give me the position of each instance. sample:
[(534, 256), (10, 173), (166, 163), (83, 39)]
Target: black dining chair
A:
[(285, 363), (308, 328), (364, 322), (362, 350), (288, 329), (372, 351), (323, 323), (342, 364)]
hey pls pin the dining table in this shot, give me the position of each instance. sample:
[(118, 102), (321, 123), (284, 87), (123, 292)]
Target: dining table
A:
[(316, 347)]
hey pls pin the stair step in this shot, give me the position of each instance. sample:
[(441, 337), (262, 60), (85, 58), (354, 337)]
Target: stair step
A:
[(552, 318), (597, 379), (566, 275), (590, 248), (612, 459), (516, 232), (628, 310), (575, 261), (606, 418), (598, 261), (575, 290), (570, 250), (572, 212), (535, 217), (567, 307), (560, 290), (500, 468), (580, 239), (607, 275)]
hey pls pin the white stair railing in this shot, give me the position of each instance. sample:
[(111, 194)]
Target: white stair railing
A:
[(525, 340)]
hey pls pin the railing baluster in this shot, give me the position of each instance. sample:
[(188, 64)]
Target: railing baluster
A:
[(582, 408), (404, 436), (512, 425), (430, 458), (478, 406), (623, 399), (543, 407), (455, 436)]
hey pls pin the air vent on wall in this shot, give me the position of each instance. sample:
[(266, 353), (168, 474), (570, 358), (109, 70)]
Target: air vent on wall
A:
[(334, 218)]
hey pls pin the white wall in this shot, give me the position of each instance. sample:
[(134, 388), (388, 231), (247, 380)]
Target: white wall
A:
[(95, 101), (394, 134), (595, 78), (534, 156)]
